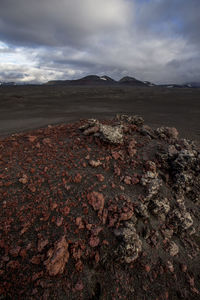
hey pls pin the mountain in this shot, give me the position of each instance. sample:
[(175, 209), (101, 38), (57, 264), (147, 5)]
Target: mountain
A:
[(193, 84), (7, 83), (101, 80), (87, 80), (127, 80)]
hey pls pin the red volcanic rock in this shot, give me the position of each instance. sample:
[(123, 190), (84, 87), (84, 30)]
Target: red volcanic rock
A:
[(97, 201), (126, 215), (183, 268), (127, 180), (131, 147), (79, 266), (32, 138), (37, 275), (77, 178), (79, 223), (42, 244), (105, 215), (117, 170), (25, 228), (79, 286), (13, 264), (23, 253), (135, 180), (96, 230), (24, 179), (115, 155), (90, 130), (97, 257), (32, 188), (57, 258), (59, 221), (36, 260), (147, 268), (15, 251), (95, 163), (94, 241), (54, 205), (100, 177), (66, 210), (89, 226), (46, 141)]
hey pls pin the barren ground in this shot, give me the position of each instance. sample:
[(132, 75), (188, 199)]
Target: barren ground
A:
[(24, 108)]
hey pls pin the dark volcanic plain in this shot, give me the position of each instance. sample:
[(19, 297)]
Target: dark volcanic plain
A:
[(28, 107)]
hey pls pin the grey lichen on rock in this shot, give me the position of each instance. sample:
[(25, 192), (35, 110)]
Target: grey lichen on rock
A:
[(167, 132), (132, 119), (173, 249), (161, 207), (131, 245), (152, 184), (112, 134)]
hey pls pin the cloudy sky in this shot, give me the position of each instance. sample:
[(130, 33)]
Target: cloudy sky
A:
[(155, 40)]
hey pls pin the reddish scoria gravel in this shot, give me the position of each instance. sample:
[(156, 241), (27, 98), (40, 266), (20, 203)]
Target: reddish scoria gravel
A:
[(63, 194)]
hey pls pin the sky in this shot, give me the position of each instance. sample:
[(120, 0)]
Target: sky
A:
[(153, 40)]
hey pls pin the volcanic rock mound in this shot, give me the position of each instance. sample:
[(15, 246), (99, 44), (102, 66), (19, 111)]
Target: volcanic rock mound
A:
[(100, 210)]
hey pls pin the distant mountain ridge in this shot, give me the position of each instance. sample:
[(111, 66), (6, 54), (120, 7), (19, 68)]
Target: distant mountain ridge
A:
[(101, 80)]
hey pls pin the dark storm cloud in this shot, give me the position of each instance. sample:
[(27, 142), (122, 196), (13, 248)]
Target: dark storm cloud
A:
[(176, 16), (62, 22), (155, 40)]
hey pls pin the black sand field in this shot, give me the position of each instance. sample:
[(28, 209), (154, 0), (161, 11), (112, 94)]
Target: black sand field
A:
[(28, 107)]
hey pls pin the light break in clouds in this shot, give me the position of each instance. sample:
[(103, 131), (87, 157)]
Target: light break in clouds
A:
[(154, 40)]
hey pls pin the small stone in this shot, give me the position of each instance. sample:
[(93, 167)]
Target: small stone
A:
[(24, 179), (95, 163), (79, 286), (42, 244), (32, 188), (126, 216), (79, 266), (115, 155), (79, 223), (46, 141), (59, 221), (173, 249), (147, 268), (77, 178), (15, 251), (66, 210), (127, 180), (100, 177), (94, 241), (57, 257), (170, 266), (13, 264), (96, 199), (131, 148), (97, 257), (183, 268), (36, 260), (91, 130), (32, 138)]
